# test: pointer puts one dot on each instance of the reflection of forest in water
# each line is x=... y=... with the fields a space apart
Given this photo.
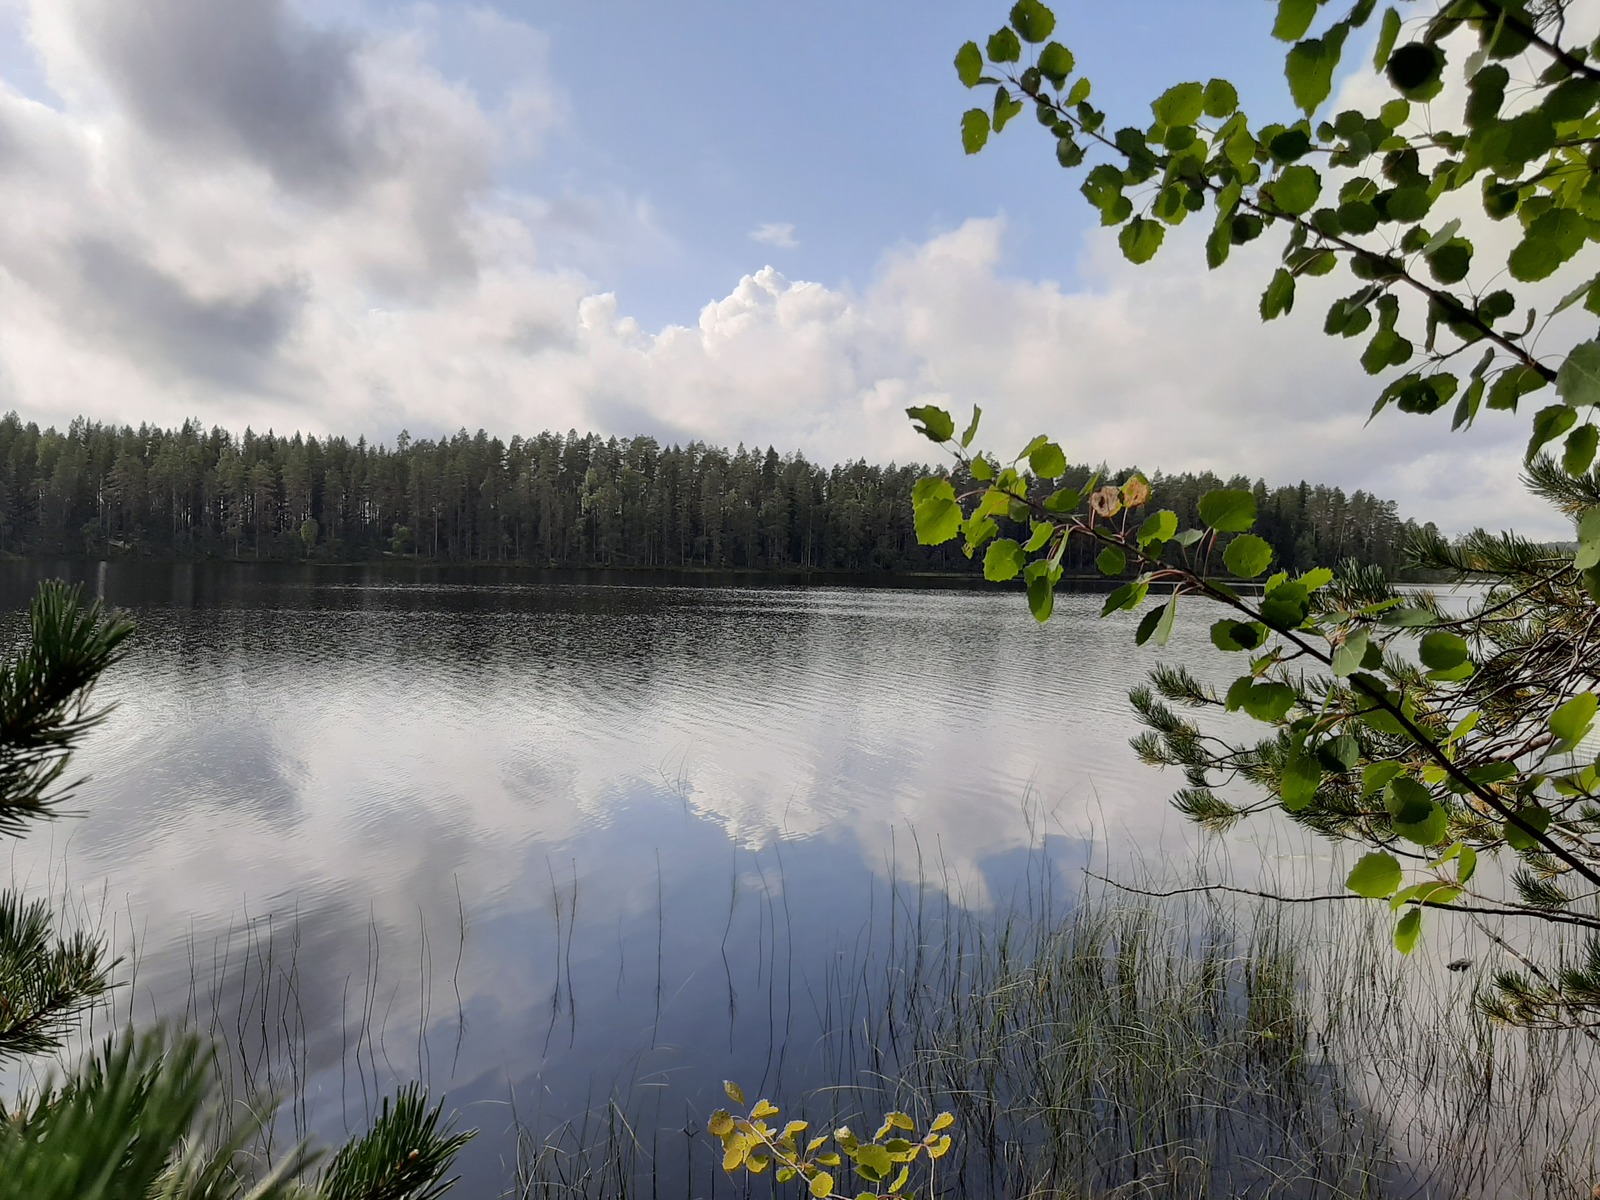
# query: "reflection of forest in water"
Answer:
x=543 y=845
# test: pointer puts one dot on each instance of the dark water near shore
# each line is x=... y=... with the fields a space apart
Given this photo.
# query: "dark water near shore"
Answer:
x=536 y=842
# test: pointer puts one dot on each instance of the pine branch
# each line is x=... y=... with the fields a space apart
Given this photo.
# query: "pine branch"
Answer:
x=404 y=1156
x=44 y=983
x=44 y=700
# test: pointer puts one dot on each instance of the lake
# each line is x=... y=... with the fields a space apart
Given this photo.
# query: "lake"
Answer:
x=542 y=843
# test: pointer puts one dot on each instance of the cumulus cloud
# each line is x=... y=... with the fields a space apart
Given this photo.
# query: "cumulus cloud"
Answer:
x=263 y=220
x=775 y=233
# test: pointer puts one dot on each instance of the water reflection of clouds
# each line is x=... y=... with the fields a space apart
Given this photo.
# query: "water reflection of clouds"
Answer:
x=630 y=793
x=284 y=748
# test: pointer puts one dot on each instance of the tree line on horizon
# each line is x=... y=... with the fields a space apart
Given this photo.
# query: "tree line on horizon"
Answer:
x=572 y=500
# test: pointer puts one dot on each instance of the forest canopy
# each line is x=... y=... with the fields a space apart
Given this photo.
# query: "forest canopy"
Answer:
x=574 y=499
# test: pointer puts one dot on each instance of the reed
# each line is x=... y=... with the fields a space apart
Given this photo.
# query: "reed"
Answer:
x=1188 y=1047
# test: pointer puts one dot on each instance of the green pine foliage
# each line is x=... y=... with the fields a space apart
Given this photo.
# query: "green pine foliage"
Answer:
x=573 y=500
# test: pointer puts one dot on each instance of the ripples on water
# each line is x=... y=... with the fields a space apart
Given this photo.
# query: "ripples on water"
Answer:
x=576 y=835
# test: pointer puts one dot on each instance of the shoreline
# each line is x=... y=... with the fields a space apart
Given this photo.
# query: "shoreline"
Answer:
x=633 y=576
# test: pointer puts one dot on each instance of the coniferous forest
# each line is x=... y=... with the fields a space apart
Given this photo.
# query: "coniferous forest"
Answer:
x=573 y=500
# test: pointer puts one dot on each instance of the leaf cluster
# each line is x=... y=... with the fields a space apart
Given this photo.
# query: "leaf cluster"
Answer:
x=1429 y=736
x=882 y=1165
x=1371 y=192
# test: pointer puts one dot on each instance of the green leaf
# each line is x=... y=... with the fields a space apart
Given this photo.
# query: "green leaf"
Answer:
x=1032 y=20
x=1129 y=596
x=1578 y=380
x=1158 y=527
x=1056 y=63
x=1309 y=69
x=1536 y=819
x=1228 y=510
x=1140 y=238
x=1005 y=107
x=1407 y=929
x=1416 y=70
x=974 y=130
x=1413 y=811
x=969 y=64
x=1588 y=556
x=1451 y=261
x=1047 y=461
x=978 y=530
x=1388 y=33
x=1004 y=46
x=1553 y=237
x=1296 y=189
x=1169 y=613
x=1441 y=651
x=1112 y=561
x=1570 y=723
x=1352 y=653
x=1003 y=560
x=1550 y=423
x=874 y=1158
x=1279 y=296
x=936 y=513
x=1300 y=779
x=1580 y=453
x=1041 y=597
x=1268 y=702
x=1407 y=205
x=936 y=424
x=1486 y=92
x=1247 y=556
x=982 y=469
x=1375 y=876
x=1042 y=532
x=1512 y=384
x=1285 y=604
x=1220 y=98
x=1181 y=104
x=1376 y=776
x=1147 y=626
x=1294 y=18
x=972 y=427
x=1229 y=635
x=1064 y=501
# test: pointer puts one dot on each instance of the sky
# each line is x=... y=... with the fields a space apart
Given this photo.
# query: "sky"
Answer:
x=738 y=222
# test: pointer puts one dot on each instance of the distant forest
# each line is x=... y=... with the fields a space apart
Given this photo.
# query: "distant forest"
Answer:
x=577 y=500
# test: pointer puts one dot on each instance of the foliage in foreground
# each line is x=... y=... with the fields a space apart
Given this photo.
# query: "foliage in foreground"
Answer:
x=1429 y=736
x=882 y=1165
x=139 y=1118
x=1198 y=1046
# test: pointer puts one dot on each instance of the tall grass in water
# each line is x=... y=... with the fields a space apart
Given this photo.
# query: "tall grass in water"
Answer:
x=1179 y=1048
x=1100 y=1048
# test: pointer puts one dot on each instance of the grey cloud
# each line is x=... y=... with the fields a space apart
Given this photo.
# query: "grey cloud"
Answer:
x=245 y=78
x=535 y=337
x=228 y=339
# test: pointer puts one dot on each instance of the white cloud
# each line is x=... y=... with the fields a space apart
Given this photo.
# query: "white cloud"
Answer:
x=344 y=261
x=775 y=233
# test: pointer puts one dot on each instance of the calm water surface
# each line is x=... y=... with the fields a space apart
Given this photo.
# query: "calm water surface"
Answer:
x=537 y=842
